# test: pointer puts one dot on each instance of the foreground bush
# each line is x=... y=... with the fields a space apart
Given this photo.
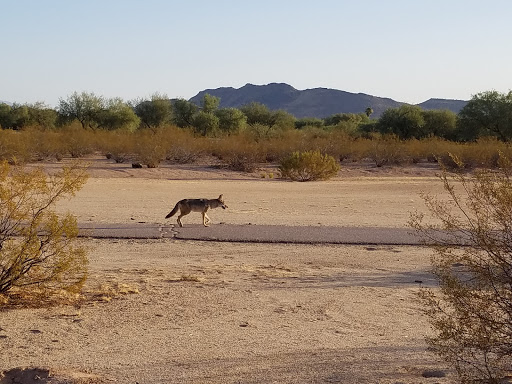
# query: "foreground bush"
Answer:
x=37 y=247
x=471 y=314
x=308 y=166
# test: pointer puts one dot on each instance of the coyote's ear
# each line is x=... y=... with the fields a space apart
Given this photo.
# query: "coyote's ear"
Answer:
x=220 y=197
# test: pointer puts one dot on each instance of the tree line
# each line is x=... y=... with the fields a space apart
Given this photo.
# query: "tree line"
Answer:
x=487 y=114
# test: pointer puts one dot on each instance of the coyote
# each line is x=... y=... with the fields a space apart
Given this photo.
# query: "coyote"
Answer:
x=186 y=206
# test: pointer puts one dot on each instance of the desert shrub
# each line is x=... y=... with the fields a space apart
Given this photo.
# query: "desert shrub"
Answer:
x=151 y=147
x=241 y=162
x=387 y=150
x=239 y=153
x=14 y=148
x=276 y=149
x=471 y=313
x=183 y=148
x=117 y=145
x=45 y=144
x=307 y=166
x=469 y=156
x=485 y=152
x=78 y=142
x=37 y=247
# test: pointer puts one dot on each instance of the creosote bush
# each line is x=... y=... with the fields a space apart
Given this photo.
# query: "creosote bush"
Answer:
x=308 y=166
x=471 y=313
x=38 y=248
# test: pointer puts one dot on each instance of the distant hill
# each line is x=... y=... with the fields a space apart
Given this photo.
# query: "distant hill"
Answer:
x=452 y=105
x=5 y=102
x=316 y=102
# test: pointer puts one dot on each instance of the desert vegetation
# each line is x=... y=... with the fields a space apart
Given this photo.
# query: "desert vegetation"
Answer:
x=38 y=252
x=471 y=313
x=155 y=130
x=310 y=165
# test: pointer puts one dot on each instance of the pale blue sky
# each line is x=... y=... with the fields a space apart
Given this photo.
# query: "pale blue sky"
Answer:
x=408 y=50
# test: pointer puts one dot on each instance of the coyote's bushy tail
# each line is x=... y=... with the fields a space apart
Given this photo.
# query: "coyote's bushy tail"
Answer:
x=174 y=210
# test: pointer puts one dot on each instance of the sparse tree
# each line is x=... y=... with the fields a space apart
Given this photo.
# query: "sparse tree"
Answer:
x=37 y=247
x=231 y=120
x=116 y=114
x=206 y=123
x=209 y=103
x=441 y=123
x=156 y=112
x=13 y=117
x=368 y=111
x=258 y=113
x=21 y=116
x=83 y=107
x=260 y=116
x=471 y=313
x=406 y=122
x=487 y=114
x=42 y=116
x=183 y=113
x=5 y=116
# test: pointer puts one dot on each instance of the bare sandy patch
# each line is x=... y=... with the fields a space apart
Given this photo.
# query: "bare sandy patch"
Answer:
x=207 y=312
x=250 y=313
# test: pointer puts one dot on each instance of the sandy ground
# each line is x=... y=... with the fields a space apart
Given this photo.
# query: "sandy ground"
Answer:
x=204 y=312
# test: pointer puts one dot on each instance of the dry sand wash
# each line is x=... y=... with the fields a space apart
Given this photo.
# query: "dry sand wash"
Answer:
x=205 y=312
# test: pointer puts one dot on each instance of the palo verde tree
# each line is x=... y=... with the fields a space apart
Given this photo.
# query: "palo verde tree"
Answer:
x=84 y=107
x=471 y=313
x=37 y=246
x=264 y=123
x=205 y=122
x=116 y=114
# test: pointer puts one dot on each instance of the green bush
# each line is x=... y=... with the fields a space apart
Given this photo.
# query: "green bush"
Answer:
x=308 y=166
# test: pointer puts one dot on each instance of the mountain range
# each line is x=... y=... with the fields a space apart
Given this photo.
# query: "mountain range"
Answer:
x=315 y=102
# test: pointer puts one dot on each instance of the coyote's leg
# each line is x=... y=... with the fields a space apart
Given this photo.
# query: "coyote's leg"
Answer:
x=183 y=211
x=206 y=219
